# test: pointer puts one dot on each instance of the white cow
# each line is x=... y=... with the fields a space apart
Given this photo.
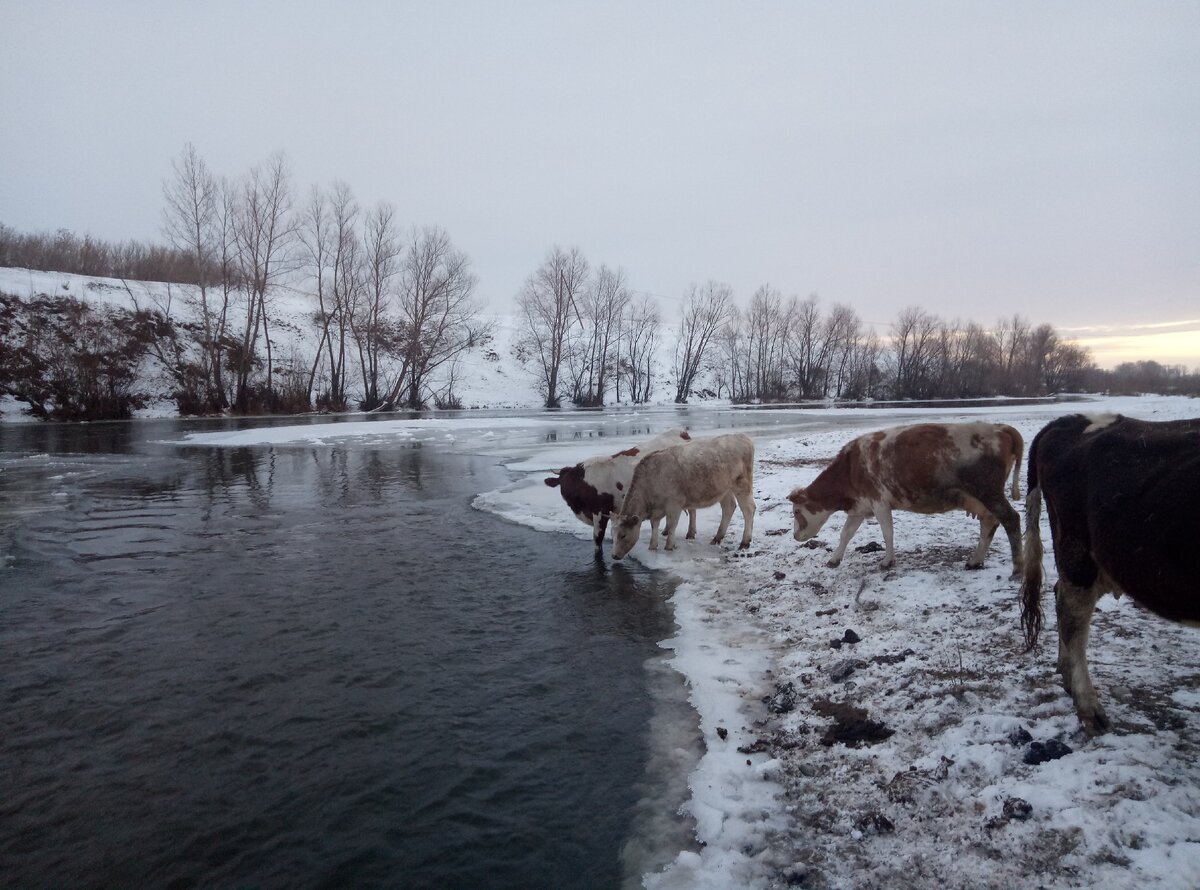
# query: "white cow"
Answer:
x=708 y=471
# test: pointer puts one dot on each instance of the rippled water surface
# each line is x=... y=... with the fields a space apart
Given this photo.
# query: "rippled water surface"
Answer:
x=308 y=667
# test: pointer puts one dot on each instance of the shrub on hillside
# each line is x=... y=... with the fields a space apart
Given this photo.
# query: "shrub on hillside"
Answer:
x=70 y=361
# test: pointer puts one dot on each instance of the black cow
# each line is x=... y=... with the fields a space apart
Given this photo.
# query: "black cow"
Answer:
x=1123 y=498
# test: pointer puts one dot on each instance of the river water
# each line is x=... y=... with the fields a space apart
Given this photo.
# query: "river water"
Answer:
x=316 y=667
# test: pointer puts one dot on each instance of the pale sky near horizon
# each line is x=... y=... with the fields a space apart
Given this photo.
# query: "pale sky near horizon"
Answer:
x=977 y=159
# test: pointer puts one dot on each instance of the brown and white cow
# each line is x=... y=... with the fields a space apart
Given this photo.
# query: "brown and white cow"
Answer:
x=708 y=471
x=1122 y=497
x=595 y=489
x=924 y=468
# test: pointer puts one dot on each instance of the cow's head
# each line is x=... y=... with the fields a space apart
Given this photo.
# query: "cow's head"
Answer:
x=808 y=516
x=626 y=532
x=579 y=494
x=570 y=484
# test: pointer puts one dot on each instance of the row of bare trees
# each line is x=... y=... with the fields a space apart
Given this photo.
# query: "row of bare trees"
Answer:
x=64 y=251
x=779 y=349
x=588 y=332
x=933 y=358
x=392 y=307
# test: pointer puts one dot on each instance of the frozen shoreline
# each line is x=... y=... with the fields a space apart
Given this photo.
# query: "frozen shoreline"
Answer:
x=938 y=664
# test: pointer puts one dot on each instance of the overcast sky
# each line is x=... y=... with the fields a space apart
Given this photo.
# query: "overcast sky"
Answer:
x=975 y=159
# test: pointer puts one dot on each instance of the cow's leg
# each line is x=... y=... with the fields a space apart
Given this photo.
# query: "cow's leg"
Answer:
x=1003 y=511
x=691 y=532
x=1074 y=606
x=883 y=515
x=727 y=504
x=987 y=530
x=599 y=527
x=745 y=501
x=853 y=521
x=672 y=521
x=653 y=545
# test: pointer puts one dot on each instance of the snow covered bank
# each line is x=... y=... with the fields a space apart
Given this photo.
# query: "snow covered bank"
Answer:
x=947 y=799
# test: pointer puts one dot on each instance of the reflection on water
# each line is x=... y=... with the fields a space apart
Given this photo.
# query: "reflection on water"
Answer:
x=312 y=666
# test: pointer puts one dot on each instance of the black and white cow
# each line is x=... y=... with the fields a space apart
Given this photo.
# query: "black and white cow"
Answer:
x=595 y=489
x=1123 y=498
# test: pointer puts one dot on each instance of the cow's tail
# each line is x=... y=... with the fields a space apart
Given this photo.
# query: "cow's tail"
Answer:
x=1016 y=471
x=1031 y=588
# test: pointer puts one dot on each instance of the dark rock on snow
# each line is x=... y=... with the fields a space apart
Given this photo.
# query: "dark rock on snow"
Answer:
x=1019 y=736
x=1042 y=752
x=850 y=725
x=1016 y=808
x=784 y=699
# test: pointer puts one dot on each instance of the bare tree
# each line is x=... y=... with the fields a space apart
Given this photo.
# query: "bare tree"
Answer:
x=843 y=331
x=766 y=329
x=191 y=223
x=262 y=232
x=730 y=366
x=914 y=352
x=1012 y=337
x=865 y=375
x=373 y=332
x=638 y=345
x=819 y=350
x=706 y=310
x=1068 y=364
x=347 y=290
x=549 y=302
x=437 y=313
x=315 y=234
x=602 y=306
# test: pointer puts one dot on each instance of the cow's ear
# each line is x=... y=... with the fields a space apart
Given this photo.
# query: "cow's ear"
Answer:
x=794 y=497
x=552 y=481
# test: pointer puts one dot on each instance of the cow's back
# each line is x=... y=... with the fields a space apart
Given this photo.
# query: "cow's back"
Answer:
x=1122 y=496
x=699 y=474
x=924 y=467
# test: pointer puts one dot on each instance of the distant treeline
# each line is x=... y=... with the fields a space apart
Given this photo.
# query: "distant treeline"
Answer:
x=390 y=312
x=1130 y=378
x=64 y=251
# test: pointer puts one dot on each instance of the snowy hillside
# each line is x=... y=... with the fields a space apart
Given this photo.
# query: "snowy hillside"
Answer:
x=490 y=375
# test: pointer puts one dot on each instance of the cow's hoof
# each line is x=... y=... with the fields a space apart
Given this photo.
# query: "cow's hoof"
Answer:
x=715 y=540
x=834 y=563
x=1095 y=724
x=974 y=566
x=690 y=536
x=745 y=545
x=669 y=547
x=887 y=564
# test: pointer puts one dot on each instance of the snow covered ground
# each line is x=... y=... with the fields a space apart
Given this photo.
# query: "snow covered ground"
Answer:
x=947 y=799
